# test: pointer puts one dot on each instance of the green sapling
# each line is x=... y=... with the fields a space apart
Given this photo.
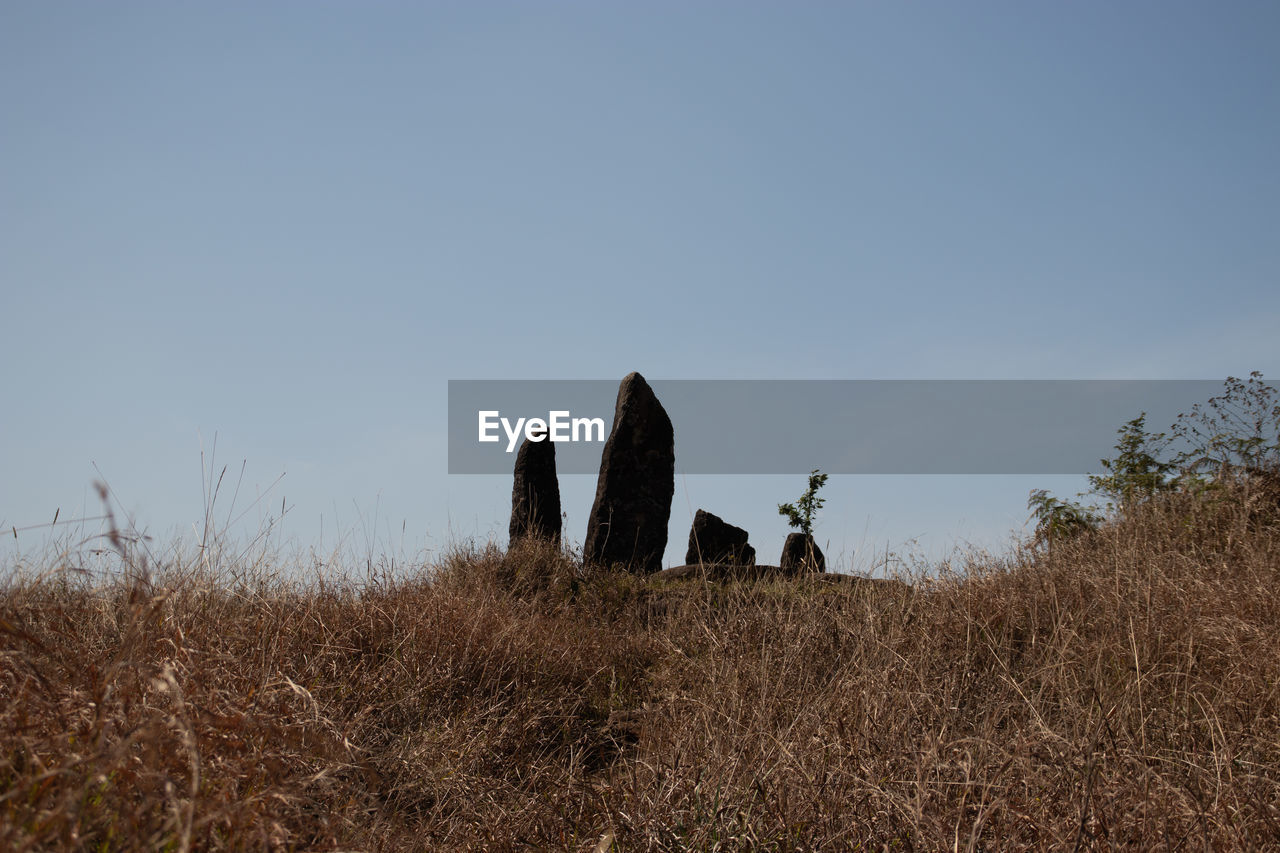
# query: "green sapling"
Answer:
x=801 y=513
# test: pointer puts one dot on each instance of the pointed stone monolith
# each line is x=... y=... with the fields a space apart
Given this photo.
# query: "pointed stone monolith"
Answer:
x=535 y=495
x=628 y=521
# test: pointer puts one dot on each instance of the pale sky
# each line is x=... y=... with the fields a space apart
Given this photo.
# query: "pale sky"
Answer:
x=289 y=224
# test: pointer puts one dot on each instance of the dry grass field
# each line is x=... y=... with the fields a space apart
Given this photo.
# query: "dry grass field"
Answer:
x=1122 y=691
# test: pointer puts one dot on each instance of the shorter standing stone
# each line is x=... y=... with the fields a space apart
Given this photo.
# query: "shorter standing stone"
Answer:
x=801 y=554
x=535 y=496
x=713 y=540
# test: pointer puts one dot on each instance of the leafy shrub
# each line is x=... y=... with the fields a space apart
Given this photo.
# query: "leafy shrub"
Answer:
x=800 y=514
x=1233 y=436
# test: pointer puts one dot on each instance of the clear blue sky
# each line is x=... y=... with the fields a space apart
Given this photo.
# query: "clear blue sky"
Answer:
x=290 y=223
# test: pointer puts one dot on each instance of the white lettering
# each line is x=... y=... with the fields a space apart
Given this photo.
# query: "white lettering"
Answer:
x=559 y=425
x=587 y=424
x=512 y=434
x=486 y=425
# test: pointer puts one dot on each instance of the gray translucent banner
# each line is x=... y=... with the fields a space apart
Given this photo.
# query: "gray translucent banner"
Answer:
x=855 y=426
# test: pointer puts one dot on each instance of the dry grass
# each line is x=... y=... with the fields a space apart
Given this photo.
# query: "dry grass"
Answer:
x=1121 y=692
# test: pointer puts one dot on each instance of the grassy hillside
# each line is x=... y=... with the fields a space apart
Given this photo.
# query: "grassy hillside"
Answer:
x=1122 y=691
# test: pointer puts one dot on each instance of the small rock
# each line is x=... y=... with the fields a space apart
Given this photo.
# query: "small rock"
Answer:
x=713 y=540
x=800 y=553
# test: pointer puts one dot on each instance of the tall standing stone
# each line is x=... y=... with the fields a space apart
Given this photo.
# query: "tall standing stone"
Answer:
x=628 y=522
x=535 y=495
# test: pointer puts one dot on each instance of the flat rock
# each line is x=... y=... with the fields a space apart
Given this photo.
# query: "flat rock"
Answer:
x=728 y=572
x=716 y=572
